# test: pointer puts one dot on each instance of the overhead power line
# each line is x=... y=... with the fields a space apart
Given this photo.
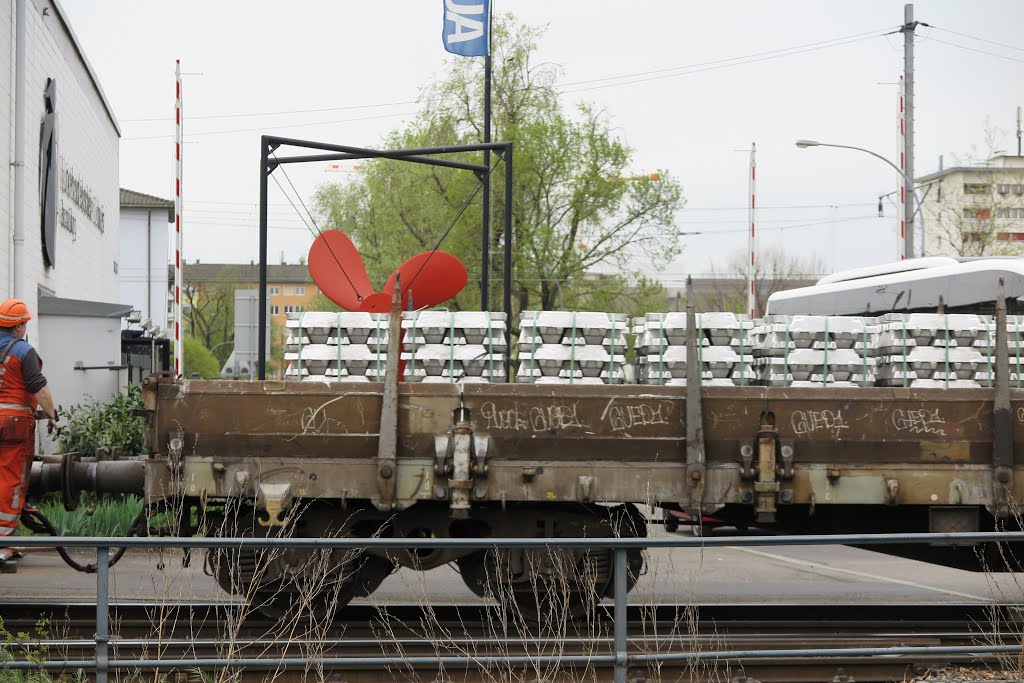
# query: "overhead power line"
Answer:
x=768 y=54
x=982 y=40
x=739 y=61
x=603 y=82
x=974 y=49
x=270 y=128
x=762 y=208
x=781 y=227
x=274 y=113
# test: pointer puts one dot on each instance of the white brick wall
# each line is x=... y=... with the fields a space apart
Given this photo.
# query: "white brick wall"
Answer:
x=87 y=140
x=6 y=143
x=87 y=143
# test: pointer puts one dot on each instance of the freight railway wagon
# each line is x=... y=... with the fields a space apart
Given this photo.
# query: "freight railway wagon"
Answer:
x=422 y=459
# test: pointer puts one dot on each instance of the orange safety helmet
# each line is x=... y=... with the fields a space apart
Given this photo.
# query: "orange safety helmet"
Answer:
x=13 y=312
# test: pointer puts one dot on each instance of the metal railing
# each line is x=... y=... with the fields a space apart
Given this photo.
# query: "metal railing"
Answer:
x=621 y=659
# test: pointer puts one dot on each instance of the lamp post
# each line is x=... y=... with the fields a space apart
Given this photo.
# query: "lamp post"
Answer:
x=220 y=344
x=908 y=251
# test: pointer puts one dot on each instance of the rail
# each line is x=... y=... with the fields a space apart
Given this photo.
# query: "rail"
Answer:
x=620 y=659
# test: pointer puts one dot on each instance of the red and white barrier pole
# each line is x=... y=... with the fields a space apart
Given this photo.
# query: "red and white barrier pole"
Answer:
x=179 y=368
x=751 y=240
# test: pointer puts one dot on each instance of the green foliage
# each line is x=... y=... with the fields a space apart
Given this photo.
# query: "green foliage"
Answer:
x=198 y=360
x=95 y=517
x=578 y=204
x=211 y=311
x=93 y=425
x=20 y=646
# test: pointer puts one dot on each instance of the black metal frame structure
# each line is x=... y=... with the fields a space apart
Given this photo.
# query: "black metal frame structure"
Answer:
x=426 y=155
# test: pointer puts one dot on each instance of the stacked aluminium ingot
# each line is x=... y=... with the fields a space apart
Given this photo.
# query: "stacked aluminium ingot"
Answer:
x=724 y=349
x=565 y=347
x=336 y=347
x=985 y=376
x=454 y=347
x=932 y=350
x=806 y=350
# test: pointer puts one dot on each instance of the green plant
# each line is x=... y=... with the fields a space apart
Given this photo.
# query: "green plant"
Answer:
x=95 y=424
x=22 y=646
x=95 y=517
x=198 y=359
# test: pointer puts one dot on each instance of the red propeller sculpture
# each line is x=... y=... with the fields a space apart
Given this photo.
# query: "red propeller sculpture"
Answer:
x=428 y=279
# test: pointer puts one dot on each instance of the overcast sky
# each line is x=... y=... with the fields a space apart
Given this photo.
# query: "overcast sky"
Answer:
x=348 y=72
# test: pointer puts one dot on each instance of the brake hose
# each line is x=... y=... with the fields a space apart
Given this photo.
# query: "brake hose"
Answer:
x=37 y=522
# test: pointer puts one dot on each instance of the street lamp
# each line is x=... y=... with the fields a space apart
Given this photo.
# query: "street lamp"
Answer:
x=220 y=344
x=908 y=246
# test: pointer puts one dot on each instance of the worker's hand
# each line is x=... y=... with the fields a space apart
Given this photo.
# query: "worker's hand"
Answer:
x=54 y=427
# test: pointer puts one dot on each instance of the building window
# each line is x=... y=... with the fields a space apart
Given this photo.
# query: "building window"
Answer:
x=299 y=291
x=1011 y=237
x=975 y=212
x=275 y=310
x=274 y=291
x=977 y=188
x=1008 y=188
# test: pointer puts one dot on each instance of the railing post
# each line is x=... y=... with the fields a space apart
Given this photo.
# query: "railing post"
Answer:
x=620 y=615
x=102 y=611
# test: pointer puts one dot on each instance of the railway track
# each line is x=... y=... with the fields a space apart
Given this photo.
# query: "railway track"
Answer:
x=197 y=631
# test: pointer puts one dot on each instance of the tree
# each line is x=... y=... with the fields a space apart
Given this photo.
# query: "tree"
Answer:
x=577 y=203
x=774 y=271
x=210 y=314
x=978 y=213
x=198 y=359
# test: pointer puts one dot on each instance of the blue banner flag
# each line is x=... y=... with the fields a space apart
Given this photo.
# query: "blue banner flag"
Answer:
x=466 y=27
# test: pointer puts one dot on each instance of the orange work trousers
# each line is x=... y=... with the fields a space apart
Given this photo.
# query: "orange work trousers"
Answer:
x=17 y=445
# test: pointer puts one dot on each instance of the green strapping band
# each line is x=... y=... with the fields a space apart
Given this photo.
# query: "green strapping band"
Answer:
x=533 y=353
x=490 y=348
x=864 y=353
x=612 y=356
x=904 y=317
x=988 y=350
x=572 y=351
x=662 y=343
x=785 y=354
x=412 y=358
x=1016 y=326
x=947 y=349
x=743 y=378
x=378 y=345
x=298 y=368
x=700 y=350
x=451 y=348
x=825 y=375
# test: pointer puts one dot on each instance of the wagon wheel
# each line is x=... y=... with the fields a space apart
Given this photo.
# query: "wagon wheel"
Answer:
x=293 y=583
x=549 y=584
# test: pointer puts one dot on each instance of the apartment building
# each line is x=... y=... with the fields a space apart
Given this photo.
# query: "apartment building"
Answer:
x=975 y=210
x=290 y=288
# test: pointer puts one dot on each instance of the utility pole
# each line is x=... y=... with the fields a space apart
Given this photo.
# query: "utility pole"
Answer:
x=752 y=239
x=908 y=85
x=1018 y=131
x=901 y=191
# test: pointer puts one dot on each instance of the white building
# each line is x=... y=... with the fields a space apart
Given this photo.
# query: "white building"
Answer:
x=143 y=257
x=975 y=210
x=59 y=238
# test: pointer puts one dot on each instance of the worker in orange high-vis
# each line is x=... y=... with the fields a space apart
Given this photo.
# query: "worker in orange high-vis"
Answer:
x=23 y=388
